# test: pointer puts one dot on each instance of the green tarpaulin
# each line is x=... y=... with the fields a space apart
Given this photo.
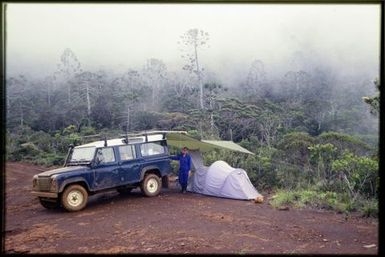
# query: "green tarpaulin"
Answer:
x=228 y=145
x=180 y=140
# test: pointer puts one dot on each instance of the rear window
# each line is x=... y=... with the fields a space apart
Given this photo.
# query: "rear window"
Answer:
x=152 y=148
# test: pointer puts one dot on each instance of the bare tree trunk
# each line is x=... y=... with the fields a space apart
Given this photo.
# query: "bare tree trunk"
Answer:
x=69 y=93
x=128 y=119
x=212 y=122
x=155 y=96
x=21 y=115
x=199 y=77
x=348 y=184
x=88 y=104
x=88 y=100
x=49 y=96
x=211 y=116
x=8 y=105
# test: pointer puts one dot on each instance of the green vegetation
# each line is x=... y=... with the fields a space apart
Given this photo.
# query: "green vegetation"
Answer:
x=315 y=140
x=329 y=200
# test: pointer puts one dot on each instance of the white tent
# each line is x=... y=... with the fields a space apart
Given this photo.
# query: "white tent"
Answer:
x=220 y=179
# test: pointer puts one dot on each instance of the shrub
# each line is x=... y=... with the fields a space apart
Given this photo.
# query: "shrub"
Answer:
x=284 y=198
x=345 y=142
x=50 y=159
x=308 y=197
x=69 y=130
x=86 y=131
x=359 y=174
x=42 y=140
x=370 y=208
x=321 y=156
x=26 y=151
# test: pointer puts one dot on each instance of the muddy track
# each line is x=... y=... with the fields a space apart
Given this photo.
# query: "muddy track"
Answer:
x=174 y=223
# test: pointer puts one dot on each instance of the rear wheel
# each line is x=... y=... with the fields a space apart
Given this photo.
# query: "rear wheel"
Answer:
x=151 y=185
x=49 y=204
x=74 y=198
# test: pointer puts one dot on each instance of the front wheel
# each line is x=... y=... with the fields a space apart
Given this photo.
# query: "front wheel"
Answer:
x=74 y=198
x=151 y=185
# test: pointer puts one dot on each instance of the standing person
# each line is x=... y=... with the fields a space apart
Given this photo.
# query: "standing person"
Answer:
x=184 y=167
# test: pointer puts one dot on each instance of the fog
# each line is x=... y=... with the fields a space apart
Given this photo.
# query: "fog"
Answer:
x=116 y=37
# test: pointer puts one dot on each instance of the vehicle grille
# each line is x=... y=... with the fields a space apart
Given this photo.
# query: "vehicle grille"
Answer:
x=43 y=183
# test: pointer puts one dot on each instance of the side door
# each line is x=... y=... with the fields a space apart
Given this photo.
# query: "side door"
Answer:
x=106 y=171
x=130 y=164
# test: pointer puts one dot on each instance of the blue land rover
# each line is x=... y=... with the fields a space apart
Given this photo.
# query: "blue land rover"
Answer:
x=121 y=164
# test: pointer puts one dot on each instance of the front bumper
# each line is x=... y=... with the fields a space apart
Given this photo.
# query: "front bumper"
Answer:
x=45 y=194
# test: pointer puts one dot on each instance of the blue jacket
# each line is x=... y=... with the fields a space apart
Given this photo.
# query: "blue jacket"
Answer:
x=184 y=162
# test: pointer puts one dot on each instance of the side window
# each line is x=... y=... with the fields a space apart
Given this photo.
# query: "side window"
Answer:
x=127 y=152
x=151 y=149
x=105 y=155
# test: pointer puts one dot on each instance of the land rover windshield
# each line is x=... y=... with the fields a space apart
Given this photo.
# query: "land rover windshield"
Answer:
x=82 y=155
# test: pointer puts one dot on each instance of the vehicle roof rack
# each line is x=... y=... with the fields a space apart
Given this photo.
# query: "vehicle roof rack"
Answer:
x=151 y=132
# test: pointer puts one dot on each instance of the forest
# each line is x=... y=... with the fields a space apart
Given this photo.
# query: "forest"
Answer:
x=314 y=132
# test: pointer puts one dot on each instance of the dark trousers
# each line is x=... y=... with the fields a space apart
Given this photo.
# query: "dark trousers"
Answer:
x=183 y=179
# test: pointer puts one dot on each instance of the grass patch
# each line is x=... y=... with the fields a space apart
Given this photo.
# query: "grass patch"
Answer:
x=282 y=198
x=341 y=203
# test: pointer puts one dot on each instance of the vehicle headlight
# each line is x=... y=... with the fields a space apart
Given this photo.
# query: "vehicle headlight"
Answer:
x=53 y=184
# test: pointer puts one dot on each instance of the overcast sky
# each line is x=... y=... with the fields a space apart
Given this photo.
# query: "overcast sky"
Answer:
x=121 y=36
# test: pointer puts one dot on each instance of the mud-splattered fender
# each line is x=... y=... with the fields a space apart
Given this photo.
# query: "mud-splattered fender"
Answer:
x=147 y=168
x=73 y=181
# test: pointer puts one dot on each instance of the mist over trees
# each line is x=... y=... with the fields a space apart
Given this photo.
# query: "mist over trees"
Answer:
x=312 y=102
x=306 y=127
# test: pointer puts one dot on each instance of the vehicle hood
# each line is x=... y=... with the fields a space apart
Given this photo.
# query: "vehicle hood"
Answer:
x=63 y=170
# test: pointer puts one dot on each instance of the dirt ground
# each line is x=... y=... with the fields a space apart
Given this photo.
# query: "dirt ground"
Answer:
x=174 y=223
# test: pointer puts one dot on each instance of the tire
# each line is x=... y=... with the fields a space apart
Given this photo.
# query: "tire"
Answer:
x=49 y=204
x=74 y=198
x=151 y=185
x=124 y=190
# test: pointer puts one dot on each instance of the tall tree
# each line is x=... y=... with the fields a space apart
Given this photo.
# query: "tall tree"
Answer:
x=129 y=90
x=68 y=67
x=87 y=86
x=256 y=80
x=178 y=94
x=155 y=75
x=268 y=124
x=17 y=98
x=213 y=91
x=374 y=101
x=193 y=40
